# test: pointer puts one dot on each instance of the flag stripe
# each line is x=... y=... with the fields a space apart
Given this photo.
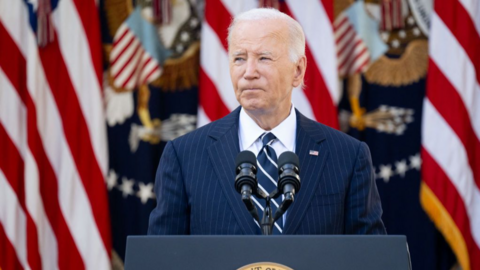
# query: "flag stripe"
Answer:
x=344 y=42
x=473 y=9
x=81 y=50
x=12 y=245
x=219 y=24
x=360 y=61
x=155 y=72
x=236 y=7
x=11 y=164
x=8 y=256
x=133 y=76
x=321 y=97
x=307 y=12
x=68 y=254
x=127 y=65
x=350 y=52
x=120 y=35
x=360 y=55
x=452 y=61
x=47 y=242
x=328 y=7
x=450 y=106
x=66 y=141
x=452 y=157
x=12 y=110
x=340 y=24
x=123 y=59
x=122 y=51
x=12 y=140
x=79 y=142
x=91 y=32
x=442 y=187
x=211 y=102
x=215 y=64
x=453 y=14
x=147 y=67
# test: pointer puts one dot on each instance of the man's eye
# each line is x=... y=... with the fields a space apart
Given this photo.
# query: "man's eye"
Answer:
x=264 y=58
x=238 y=59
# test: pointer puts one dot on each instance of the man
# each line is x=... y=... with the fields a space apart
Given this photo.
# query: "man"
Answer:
x=195 y=178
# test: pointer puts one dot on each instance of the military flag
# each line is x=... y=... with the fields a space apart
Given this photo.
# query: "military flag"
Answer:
x=358 y=42
x=143 y=112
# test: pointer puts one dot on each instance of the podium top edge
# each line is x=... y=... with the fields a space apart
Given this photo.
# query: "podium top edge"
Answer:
x=398 y=236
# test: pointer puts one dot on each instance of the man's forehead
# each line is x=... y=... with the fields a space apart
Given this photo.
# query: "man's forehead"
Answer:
x=259 y=28
x=257 y=35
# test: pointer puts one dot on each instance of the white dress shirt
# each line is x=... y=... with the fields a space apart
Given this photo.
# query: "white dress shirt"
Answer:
x=249 y=133
x=286 y=132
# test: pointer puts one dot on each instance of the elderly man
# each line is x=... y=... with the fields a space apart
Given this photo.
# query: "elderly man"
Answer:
x=195 y=178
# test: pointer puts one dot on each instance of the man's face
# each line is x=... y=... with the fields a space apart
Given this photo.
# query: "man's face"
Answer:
x=260 y=68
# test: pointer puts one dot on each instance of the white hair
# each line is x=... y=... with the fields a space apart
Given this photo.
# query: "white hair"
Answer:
x=296 y=48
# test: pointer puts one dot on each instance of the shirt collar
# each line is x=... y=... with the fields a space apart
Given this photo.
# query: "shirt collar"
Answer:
x=285 y=131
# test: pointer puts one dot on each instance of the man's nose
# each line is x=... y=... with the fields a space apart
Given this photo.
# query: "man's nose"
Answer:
x=251 y=70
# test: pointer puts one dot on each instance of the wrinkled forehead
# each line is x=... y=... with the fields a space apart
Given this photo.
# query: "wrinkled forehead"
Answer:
x=259 y=32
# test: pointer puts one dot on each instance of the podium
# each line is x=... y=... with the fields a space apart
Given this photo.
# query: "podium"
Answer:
x=258 y=252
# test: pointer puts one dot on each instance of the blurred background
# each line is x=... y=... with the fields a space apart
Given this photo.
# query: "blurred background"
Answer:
x=91 y=91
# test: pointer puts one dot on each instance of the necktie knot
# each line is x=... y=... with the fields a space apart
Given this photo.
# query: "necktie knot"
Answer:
x=267 y=138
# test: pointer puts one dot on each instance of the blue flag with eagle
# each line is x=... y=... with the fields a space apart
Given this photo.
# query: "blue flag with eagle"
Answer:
x=150 y=84
x=382 y=106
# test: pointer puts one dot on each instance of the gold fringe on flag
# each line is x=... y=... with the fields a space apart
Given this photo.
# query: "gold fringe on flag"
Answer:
x=340 y=5
x=181 y=73
x=409 y=68
x=445 y=224
x=117 y=11
x=117 y=263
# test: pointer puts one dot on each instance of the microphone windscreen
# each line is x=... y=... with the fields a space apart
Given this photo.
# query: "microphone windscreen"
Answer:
x=288 y=157
x=246 y=157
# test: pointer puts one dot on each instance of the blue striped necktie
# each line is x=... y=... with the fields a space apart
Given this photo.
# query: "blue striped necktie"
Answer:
x=267 y=176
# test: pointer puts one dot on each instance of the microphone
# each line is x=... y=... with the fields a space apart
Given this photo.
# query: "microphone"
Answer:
x=246 y=182
x=288 y=180
x=288 y=171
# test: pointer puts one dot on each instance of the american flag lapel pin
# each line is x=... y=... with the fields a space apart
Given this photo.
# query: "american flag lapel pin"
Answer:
x=313 y=153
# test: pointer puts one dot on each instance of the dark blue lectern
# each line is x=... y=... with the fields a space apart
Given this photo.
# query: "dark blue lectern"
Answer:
x=337 y=252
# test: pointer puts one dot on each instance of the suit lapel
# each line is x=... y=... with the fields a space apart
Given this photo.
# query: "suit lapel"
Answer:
x=222 y=153
x=309 y=138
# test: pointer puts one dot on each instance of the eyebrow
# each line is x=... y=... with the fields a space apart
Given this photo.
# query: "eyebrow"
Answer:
x=238 y=53
x=244 y=53
x=265 y=53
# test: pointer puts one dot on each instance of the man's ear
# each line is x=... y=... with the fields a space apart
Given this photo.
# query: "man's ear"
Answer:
x=300 y=68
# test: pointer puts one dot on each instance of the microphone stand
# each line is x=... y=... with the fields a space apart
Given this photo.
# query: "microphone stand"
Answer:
x=268 y=218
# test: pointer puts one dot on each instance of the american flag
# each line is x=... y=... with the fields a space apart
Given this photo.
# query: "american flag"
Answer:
x=136 y=53
x=357 y=39
x=352 y=52
x=321 y=95
x=53 y=149
x=451 y=128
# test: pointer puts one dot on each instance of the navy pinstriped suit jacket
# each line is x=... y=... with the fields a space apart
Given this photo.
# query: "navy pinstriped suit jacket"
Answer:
x=196 y=195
